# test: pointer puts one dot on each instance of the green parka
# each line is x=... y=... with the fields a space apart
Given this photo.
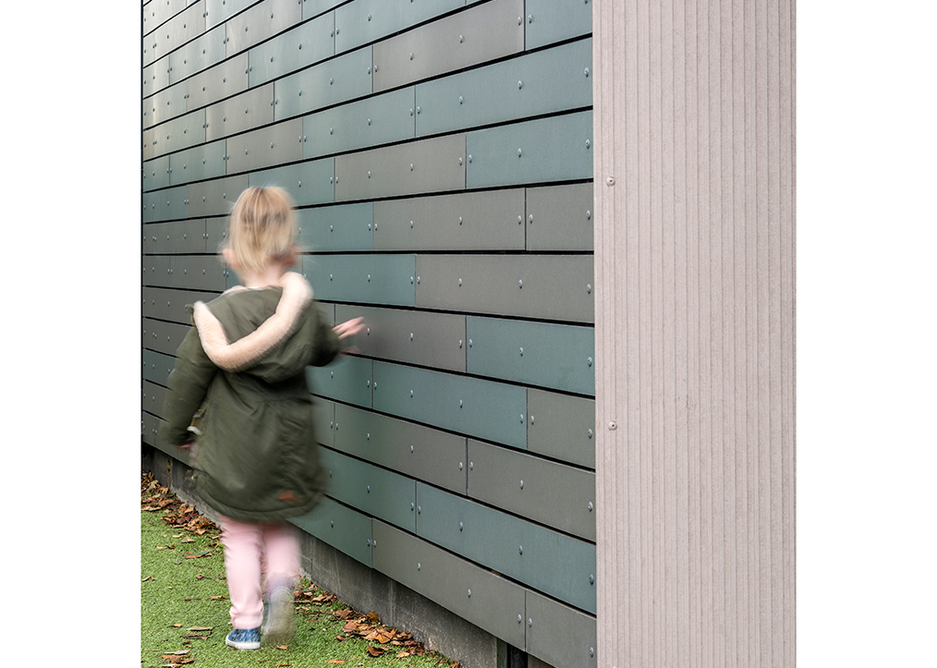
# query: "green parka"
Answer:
x=242 y=367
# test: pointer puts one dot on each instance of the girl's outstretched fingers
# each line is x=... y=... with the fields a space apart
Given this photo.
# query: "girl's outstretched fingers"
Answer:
x=349 y=328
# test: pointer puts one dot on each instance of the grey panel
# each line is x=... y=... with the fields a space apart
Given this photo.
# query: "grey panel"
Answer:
x=341 y=227
x=475 y=407
x=156 y=366
x=196 y=56
x=462 y=221
x=365 y=21
x=560 y=218
x=551 y=21
x=324 y=421
x=221 y=81
x=306 y=182
x=551 y=287
x=338 y=80
x=363 y=279
x=558 y=634
x=534 y=353
x=221 y=10
x=373 y=490
x=484 y=33
x=198 y=272
x=426 y=166
x=217 y=197
x=485 y=599
x=561 y=427
x=156 y=173
x=261 y=22
x=420 y=452
x=313 y=8
x=165 y=104
x=162 y=205
x=158 y=12
x=181 y=28
x=341 y=527
x=553 y=494
x=237 y=114
x=417 y=337
x=550 y=149
x=168 y=304
x=163 y=337
x=215 y=233
x=541 y=558
x=371 y=122
x=156 y=270
x=544 y=82
x=174 y=135
x=347 y=380
x=194 y=164
x=266 y=147
x=153 y=398
x=155 y=77
x=300 y=47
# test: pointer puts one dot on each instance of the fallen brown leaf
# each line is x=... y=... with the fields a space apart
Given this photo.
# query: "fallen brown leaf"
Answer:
x=375 y=651
x=336 y=660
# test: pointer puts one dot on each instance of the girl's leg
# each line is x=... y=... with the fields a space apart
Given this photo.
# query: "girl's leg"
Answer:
x=281 y=544
x=243 y=545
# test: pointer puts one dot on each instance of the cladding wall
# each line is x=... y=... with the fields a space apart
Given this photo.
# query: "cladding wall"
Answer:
x=440 y=154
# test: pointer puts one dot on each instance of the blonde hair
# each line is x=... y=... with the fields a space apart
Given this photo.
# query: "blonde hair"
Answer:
x=262 y=228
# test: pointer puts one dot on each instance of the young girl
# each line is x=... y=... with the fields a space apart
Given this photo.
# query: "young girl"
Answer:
x=242 y=368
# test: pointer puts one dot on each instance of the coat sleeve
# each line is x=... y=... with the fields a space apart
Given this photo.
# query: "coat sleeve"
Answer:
x=326 y=344
x=188 y=386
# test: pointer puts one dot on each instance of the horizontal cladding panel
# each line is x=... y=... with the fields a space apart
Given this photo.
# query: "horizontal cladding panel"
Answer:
x=545 y=82
x=483 y=33
x=559 y=496
x=343 y=528
x=370 y=489
x=196 y=164
x=559 y=218
x=307 y=182
x=157 y=12
x=425 y=166
x=335 y=81
x=197 y=272
x=553 y=563
x=489 y=220
x=169 y=304
x=558 y=148
x=560 y=635
x=485 y=599
x=163 y=205
x=163 y=337
x=533 y=353
x=411 y=449
x=151 y=426
x=562 y=427
x=550 y=287
x=156 y=270
x=415 y=337
x=266 y=147
x=175 y=135
x=156 y=367
x=220 y=11
x=347 y=380
x=156 y=173
x=364 y=21
x=324 y=421
x=153 y=397
x=181 y=28
x=155 y=77
x=214 y=198
x=475 y=407
x=239 y=113
x=260 y=22
x=366 y=279
x=167 y=103
x=313 y=8
x=332 y=228
x=197 y=56
x=305 y=45
x=550 y=21
x=221 y=81
x=186 y=236
x=378 y=120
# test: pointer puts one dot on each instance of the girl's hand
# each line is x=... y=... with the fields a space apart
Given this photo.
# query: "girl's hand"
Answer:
x=349 y=328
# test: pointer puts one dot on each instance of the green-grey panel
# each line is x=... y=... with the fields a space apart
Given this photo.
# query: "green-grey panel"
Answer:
x=550 y=21
x=324 y=421
x=239 y=113
x=484 y=33
x=197 y=272
x=561 y=426
x=485 y=599
x=155 y=77
x=197 y=56
x=313 y=8
x=305 y=45
x=553 y=563
x=362 y=279
x=266 y=147
x=370 y=122
x=430 y=165
x=558 y=634
x=556 y=495
x=347 y=380
x=150 y=428
x=221 y=81
x=558 y=148
x=157 y=13
x=544 y=82
x=153 y=396
x=181 y=28
x=156 y=367
x=175 y=135
x=534 y=353
x=165 y=104
x=156 y=173
x=169 y=304
x=213 y=198
x=220 y=11
x=162 y=205
x=307 y=182
x=420 y=452
x=332 y=228
x=156 y=270
x=163 y=337
x=365 y=21
x=550 y=287
x=490 y=220
x=198 y=163
x=370 y=489
x=216 y=232
x=261 y=22
x=472 y=406
x=424 y=338
x=338 y=80
x=559 y=218
x=343 y=528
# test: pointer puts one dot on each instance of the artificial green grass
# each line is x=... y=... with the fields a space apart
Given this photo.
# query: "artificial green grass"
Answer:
x=184 y=606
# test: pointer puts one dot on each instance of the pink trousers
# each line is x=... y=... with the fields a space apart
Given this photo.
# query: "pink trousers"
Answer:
x=247 y=547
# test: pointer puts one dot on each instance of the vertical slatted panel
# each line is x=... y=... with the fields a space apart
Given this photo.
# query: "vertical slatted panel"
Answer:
x=694 y=107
